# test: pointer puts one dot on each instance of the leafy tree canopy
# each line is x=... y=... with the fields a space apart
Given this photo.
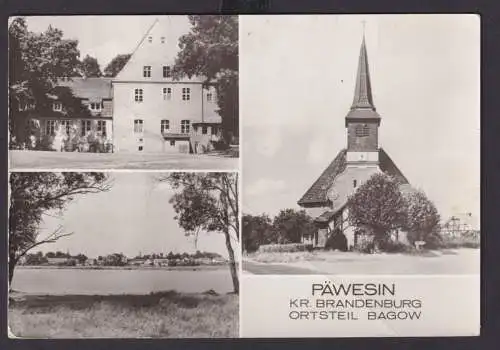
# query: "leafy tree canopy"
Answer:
x=208 y=201
x=90 y=67
x=116 y=65
x=378 y=206
x=34 y=194
x=210 y=50
x=36 y=62
x=256 y=231
x=290 y=224
x=423 y=219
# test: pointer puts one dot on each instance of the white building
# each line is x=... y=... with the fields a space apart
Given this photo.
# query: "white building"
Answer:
x=152 y=112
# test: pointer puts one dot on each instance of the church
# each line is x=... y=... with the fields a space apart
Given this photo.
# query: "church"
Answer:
x=326 y=200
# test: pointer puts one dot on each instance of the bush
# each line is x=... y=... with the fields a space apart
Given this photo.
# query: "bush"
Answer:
x=45 y=143
x=390 y=246
x=285 y=248
x=465 y=240
x=365 y=244
x=337 y=241
x=220 y=145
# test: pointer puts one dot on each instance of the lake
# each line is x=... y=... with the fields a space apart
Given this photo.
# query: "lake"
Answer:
x=140 y=281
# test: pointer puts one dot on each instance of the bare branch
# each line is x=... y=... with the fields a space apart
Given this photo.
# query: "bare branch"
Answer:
x=52 y=238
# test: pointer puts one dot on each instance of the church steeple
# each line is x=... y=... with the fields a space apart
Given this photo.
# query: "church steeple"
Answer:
x=362 y=120
x=363 y=92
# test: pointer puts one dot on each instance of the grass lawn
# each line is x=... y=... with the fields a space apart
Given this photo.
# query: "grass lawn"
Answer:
x=445 y=261
x=157 y=315
x=157 y=161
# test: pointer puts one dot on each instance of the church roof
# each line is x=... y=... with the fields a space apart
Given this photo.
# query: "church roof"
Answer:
x=362 y=104
x=316 y=195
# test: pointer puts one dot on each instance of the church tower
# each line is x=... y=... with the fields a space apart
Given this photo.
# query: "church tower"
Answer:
x=362 y=121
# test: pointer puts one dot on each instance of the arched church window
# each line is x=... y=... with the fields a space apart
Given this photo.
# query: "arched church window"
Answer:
x=362 y=130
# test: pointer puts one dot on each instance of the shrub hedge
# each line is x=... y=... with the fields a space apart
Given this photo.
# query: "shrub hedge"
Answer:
x=285 y=248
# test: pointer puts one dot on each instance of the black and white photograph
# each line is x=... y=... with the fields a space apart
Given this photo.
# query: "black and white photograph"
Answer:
x=124 y=255
x=361 y=152
x=361 y=175
x=123 y=92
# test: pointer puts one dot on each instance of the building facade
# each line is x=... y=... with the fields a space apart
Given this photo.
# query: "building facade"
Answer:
x=84 y=124
x=142 y=109
x=326 y=199
x=152 y=111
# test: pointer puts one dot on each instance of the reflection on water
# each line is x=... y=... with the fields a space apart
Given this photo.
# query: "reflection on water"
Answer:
x=74 y=281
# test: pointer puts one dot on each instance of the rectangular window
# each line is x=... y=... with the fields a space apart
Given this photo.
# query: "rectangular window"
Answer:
x=165 y=125
x=186 y=94
x=209 y=96
x=185 y=126
x=57 y=106
x=101 y=127
x=50 y=127
x=204 y=129
x=150 y=39
x=167 y=93
x=167 y=71
x=66 y=125
x=146 y=71
x=172 y=142
x=138 y=95
x=95 y=106
x=214 y=130
x=162 y=40
x=138 y=126
x=86 y=127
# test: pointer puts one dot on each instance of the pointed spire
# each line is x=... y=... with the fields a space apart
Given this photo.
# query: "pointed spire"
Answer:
x=363 y=91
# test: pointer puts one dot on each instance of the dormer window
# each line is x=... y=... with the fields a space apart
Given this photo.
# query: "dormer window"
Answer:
x=146 y=71
x=362 y=130
x=95 y=106
x=150 y=39
x=57 y=106
x=162 y=39
x=167 y=71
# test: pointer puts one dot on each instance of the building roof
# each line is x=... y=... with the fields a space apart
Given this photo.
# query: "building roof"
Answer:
x=362 y=104
x=316 y=195
x=92 y=89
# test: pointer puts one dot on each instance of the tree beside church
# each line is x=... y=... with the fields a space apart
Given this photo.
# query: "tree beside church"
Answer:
x=328 y=197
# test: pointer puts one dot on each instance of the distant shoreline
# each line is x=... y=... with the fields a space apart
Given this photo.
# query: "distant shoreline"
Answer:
x=165 y=268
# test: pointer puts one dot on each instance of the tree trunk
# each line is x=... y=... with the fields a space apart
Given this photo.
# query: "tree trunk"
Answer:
x=12 y=266
x=232 y=263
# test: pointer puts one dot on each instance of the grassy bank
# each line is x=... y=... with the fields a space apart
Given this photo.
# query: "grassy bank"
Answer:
x=164 y=315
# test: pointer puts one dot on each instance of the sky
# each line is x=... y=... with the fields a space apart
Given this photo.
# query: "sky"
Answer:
x=134 y=217
x=102 y=37
x=297 y=77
